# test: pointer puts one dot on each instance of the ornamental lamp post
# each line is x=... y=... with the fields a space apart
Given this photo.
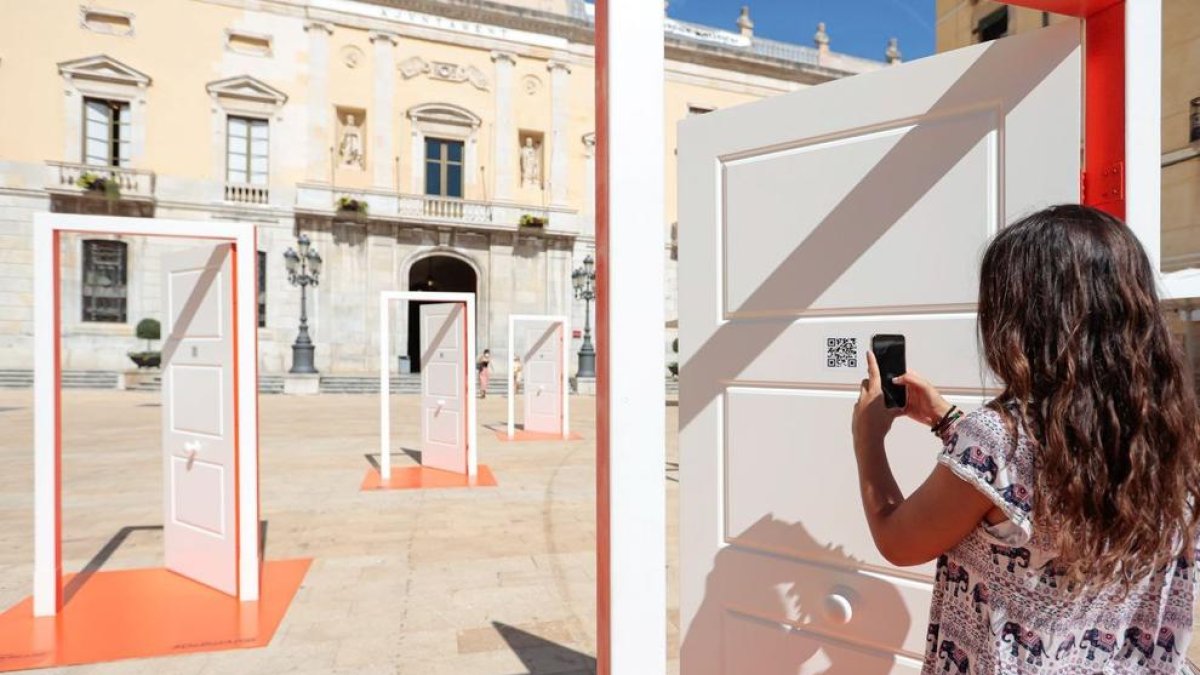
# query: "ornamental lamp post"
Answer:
x=582 y=279
x=304 y=269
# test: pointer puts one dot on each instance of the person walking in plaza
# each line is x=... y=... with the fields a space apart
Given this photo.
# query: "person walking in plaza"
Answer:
x=1063 y=513
x=484 y=367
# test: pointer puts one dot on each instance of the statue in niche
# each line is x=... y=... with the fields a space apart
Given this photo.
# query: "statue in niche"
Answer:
x=531 y=164
x=351 y=148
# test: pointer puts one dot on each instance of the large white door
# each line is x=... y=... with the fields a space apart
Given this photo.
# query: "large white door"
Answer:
x=542 y=371
x=808 y=223
x=444 y=372
x=199 y=424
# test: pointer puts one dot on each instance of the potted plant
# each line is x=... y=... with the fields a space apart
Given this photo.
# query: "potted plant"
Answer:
x=347 y=204
x=530 y=220
x=93 y=182
x=148 y=330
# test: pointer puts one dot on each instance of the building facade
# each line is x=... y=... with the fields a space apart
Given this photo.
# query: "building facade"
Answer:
x=420 y=144
x=965 y=22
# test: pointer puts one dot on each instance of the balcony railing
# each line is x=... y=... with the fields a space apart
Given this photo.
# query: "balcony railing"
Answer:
x=130 y=183
x=434 y=209
x=445 y=208
x=243 y=193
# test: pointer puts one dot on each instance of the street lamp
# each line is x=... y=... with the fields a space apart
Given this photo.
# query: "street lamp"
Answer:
x=304 y=269
x=582 y=279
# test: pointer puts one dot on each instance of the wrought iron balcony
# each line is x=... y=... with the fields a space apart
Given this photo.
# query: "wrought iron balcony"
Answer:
x=114 y=181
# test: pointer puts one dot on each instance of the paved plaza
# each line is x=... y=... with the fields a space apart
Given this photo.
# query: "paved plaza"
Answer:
x=459 y=581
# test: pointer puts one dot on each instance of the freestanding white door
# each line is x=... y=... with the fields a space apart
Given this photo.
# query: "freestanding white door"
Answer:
x=444 y=373
x=199 y=424
x=808 y=223
x=542 y=371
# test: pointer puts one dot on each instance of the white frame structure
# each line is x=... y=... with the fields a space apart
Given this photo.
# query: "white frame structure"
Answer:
x=385 y=390
x=47 y=377
x=565 y=323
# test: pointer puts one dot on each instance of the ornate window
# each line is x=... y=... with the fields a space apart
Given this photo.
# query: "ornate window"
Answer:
x=443 y=167
x=106 y=132
x=246 y=150
x=262 y=289
x=104 y=274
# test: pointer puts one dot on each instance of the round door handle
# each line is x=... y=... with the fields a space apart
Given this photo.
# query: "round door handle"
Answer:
x=838 y=609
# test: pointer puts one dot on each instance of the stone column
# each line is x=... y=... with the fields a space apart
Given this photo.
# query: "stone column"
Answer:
x=383 y=95
x=558 y=130
x=505 y=133
x=319 y=136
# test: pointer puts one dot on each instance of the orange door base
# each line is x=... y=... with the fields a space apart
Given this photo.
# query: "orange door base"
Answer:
x=130 y=614
x=419 y=477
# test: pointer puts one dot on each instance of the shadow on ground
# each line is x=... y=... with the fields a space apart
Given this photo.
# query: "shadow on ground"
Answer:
x=541 y=656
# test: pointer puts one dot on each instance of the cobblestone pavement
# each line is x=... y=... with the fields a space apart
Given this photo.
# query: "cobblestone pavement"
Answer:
x=490 y=581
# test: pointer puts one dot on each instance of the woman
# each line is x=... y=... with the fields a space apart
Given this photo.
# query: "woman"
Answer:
x=484 y=367
x=1061 y=513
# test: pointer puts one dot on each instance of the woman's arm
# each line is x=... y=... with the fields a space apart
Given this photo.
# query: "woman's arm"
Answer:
x=930 y=521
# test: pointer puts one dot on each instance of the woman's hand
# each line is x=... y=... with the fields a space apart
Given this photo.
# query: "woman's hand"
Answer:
x=872 y=419
x=925 y=404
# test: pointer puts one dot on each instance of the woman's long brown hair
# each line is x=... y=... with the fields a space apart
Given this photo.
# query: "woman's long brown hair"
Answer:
x=1071 y=324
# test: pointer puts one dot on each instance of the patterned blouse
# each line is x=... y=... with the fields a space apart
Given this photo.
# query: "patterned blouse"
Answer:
x=999 y=605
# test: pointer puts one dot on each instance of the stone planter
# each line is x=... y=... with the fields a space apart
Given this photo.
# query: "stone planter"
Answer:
x=142 y=379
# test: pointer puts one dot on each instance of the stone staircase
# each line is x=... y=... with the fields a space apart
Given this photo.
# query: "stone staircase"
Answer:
x=267 y=384
x=71 y=379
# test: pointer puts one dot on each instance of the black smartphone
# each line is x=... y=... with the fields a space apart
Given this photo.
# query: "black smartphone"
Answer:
x=889 y=354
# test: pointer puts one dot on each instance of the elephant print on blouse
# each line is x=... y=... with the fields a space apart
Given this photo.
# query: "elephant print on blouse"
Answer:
x=951 y=654
x=1024 y=639
x=1094 y=640
x=1019 y=496
x=1140 y=641
x=1065 y=648
x=1166 y=641
x=979 y=596
x=1183 y=567
x=1016 y=556
x=1050 y=572
x=953 y=574
x=975 y=457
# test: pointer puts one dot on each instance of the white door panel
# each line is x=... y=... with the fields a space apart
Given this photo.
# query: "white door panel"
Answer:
x=542 y=371
x=198 y=437
x=808 y=223
x=443 y=387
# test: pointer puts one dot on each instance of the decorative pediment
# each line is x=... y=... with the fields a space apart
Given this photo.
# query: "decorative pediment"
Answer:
x=103 y=68
x=246 y=89
x=444 y=113
x=440 y=70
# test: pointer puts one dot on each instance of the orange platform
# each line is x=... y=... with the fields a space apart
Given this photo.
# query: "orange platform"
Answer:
x=420 y=477
x=522 y=435
x=129 y=614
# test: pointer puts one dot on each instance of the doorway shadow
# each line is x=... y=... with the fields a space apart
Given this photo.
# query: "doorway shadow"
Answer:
x=102 y=556
x=373 y=458
x=771 y=606
x=543 y=657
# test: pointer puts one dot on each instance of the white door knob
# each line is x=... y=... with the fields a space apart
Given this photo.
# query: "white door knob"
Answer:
x=838 y=609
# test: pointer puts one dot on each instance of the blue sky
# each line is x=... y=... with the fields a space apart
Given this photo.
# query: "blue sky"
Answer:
x=858 y=27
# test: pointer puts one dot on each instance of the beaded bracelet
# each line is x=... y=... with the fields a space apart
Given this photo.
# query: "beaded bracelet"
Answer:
x=949 y=418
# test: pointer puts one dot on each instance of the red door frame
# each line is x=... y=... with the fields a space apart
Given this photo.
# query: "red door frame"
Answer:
x=1103 y=181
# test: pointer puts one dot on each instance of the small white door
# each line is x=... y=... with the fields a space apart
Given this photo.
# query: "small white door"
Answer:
x=808 y=223
x=199 y=427
x=542 y=371
x=444 y=372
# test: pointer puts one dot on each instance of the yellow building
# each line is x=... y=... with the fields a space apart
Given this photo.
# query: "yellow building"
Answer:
x=964 y=22
x=466 y=130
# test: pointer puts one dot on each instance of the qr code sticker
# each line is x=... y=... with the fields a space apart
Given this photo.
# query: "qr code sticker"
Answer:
x=841 y=352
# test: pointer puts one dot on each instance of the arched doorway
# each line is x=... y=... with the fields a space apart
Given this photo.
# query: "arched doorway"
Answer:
x=442 y=273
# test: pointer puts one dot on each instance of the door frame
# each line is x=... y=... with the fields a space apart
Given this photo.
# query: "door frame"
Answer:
x=552 y=319
x=385 y=343
x=47 y=395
